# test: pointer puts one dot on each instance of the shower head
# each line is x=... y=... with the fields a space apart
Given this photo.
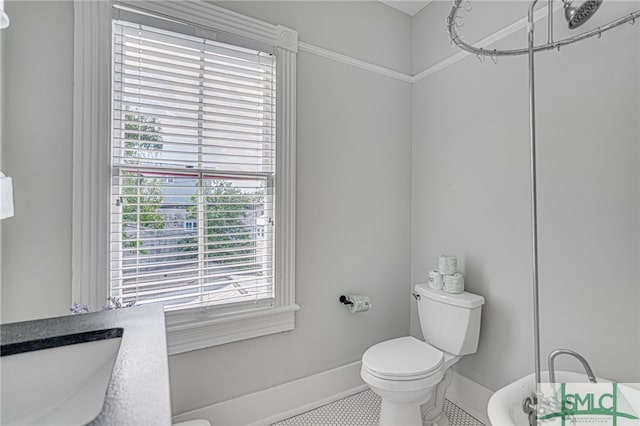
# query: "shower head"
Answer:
x=577 y=16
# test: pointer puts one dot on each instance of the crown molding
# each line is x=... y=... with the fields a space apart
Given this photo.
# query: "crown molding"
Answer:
x=338 y=57
x=439 y=66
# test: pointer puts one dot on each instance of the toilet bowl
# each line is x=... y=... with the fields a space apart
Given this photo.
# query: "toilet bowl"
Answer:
x=404 y=373
x=410 y=375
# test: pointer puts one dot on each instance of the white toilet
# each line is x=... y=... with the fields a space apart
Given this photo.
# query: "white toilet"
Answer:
x=408 y=373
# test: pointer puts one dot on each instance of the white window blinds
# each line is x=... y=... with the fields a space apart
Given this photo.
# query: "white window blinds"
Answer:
x=193 y=170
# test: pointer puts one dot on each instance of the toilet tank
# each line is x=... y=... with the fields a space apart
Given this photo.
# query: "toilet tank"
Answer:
x=450 y=322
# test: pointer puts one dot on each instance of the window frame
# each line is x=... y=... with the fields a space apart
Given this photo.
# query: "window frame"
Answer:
x=195 y=328
x=199 y=52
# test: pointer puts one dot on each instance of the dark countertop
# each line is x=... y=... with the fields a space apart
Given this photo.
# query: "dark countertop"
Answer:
x=138 y=393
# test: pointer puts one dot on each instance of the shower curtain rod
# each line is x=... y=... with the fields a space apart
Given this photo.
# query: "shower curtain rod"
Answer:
x=531 y=404
x=457 y=38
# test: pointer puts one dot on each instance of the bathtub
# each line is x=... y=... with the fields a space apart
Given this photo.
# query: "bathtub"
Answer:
x=505 y=405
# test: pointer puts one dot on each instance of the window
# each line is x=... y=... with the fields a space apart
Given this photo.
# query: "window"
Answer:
x=184 y=167
x=193 y=144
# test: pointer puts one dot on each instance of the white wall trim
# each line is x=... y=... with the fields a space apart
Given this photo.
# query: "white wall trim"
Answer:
x=283 y=401
x=215 y=17
x=439 y=66
x=469 y=395
x=91 y=120
x=310 y=406
x=199 y=333
x=338 y=57
x=286 y=172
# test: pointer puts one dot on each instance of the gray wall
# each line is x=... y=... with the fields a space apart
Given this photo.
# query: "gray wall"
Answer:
x=471 y=193
x=353 y=200
x=36 y=242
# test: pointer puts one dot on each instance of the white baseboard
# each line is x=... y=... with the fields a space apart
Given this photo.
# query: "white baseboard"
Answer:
x=283 y=401
x=296 y=397
x=469 y=395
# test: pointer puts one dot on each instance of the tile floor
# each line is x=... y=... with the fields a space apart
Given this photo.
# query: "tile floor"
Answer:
x=363 y=409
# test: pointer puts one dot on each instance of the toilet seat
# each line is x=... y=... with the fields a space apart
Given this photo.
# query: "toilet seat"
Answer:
x=402 y=359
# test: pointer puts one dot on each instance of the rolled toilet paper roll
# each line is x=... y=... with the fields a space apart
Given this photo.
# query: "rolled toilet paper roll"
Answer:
x=454 y=283
x=359 y=303
x=447 y=264
x=434 y=279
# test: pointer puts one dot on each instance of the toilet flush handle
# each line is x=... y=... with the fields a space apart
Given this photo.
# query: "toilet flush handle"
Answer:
x=415 y=295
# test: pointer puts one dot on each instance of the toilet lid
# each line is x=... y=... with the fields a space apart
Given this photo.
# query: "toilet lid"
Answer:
x=402 y=357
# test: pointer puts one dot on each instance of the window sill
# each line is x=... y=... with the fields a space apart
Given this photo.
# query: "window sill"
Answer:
x=190 y=331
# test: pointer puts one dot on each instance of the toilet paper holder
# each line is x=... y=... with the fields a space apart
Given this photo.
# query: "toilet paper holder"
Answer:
x=344 y=300
x=356 y=302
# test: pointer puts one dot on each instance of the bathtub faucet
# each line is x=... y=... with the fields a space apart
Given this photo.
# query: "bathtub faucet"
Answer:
x=532 y=404
x=585 y=364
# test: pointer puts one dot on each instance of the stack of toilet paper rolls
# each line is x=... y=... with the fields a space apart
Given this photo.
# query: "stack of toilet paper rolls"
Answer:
x=447 y=277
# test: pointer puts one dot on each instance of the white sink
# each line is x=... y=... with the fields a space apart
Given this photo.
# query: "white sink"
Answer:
x=64 y=385
x=505 y=405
